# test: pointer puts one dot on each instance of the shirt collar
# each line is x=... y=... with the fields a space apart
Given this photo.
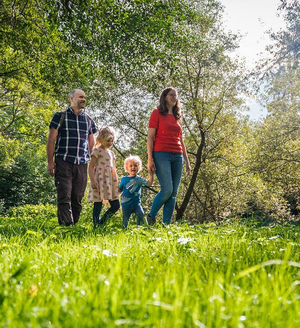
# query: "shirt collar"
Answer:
x=72 y=111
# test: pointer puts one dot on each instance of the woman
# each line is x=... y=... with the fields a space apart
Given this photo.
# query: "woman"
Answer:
x=166 y=152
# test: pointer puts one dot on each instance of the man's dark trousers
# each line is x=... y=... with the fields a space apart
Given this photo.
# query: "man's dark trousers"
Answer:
x=70 y=181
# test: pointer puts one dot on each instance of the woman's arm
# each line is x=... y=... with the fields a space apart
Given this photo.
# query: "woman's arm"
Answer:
x=185 y=157
x=150 y=179
x=150 y=143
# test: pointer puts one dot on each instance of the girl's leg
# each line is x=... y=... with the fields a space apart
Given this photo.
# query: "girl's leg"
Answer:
x=162 y=162
x=176 y=168
x=139 y=214
x=96 y=213
x=114 y=207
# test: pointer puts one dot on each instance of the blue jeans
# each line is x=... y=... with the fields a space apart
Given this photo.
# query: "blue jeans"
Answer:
x=168 y=171
x=128 y=210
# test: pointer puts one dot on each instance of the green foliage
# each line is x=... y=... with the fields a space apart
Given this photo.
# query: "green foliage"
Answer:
x=25 y=179
x=286 y=43
x=275 y=149
x=275 y=156
x=210 y=83
x=30 y=45
x=182 y=276
x=25 y=117
x=123 y=53
x=50 y=47
x=54 y=43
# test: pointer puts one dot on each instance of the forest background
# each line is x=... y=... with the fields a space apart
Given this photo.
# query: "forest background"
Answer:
x=123 y=53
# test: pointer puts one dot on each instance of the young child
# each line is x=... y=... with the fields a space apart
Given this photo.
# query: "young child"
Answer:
x=130 y=186
x=103 y=176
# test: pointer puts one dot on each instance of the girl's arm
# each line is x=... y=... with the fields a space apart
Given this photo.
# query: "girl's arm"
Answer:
x=150 y=143
x=92 y=163
x=113 y=170
x=185 y=157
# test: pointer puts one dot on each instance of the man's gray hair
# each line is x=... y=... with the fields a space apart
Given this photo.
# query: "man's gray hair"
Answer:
x=72 y=93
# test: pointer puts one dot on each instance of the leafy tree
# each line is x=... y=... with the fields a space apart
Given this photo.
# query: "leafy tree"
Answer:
x=285 y=47
x=210 y=82
x=25 y=180
x=275 y=156
x=49 y=47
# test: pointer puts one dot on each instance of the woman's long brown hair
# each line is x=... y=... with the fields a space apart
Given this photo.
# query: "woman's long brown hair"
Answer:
x=162 y=107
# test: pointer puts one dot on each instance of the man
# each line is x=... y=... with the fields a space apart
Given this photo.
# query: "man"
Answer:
x=70 y=144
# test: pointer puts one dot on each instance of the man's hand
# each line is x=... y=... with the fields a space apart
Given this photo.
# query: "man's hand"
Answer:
x=51 y=169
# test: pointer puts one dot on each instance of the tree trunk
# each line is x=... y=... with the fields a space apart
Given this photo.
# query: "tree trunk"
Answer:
x=180 y=211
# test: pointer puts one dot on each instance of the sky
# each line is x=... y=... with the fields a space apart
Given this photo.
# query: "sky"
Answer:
x=252 y=18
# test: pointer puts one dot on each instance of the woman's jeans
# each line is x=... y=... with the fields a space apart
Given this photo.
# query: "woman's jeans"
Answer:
x=130 y=209
x=114 y=206
x=168 y=171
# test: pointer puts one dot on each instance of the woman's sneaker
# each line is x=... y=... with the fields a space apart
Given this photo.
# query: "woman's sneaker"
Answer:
x=150 y=220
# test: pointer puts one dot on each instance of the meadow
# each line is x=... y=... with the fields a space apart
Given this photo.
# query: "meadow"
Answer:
x=234 y=274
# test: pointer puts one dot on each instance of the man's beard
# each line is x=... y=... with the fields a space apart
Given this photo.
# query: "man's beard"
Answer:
x=81 y=105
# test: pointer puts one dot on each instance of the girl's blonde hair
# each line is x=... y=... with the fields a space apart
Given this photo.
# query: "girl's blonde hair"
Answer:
x=102 y=133
x=133 y=158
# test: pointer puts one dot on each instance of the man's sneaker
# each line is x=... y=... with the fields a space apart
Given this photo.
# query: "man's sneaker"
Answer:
x=150 y=220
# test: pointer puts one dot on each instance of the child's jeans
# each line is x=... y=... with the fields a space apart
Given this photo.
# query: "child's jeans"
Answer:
x=128 y=210
x=114 y=206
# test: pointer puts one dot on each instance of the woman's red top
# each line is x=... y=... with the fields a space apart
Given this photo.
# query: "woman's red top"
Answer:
x=168 y=132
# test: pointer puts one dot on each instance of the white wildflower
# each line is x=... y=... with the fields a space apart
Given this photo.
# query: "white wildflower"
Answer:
x=183 y=241
x=107 y=252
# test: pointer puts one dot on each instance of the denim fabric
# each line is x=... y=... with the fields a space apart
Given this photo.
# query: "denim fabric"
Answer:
x=128 y=210
x=114 y=206
x=70 y=181
x=168 y=171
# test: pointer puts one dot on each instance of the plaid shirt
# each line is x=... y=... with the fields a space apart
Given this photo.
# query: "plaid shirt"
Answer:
x=72 y=140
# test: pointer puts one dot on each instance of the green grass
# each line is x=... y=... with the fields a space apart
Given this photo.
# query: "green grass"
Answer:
x=229 y=275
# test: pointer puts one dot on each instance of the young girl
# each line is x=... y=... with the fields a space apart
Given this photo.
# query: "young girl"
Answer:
x=103 y=176
x=130 y=186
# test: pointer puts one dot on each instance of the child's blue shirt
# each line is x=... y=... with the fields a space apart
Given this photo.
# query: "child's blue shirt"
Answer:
x=131 y=189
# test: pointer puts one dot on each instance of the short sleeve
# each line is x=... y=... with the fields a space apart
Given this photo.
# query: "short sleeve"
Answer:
x=113 y=155
x=55 y=121
x=141 y=181
x=121 y=185
x=93 y=129
x=95 y=152
x=154 y=118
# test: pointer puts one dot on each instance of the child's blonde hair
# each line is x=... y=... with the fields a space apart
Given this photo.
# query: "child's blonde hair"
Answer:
x=133 y=158
x=102 y=133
